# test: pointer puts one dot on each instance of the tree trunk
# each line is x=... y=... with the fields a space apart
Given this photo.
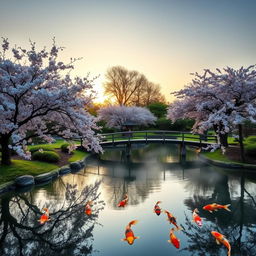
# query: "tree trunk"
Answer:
x=223 y=139
x=240 y=129
x=6 y=153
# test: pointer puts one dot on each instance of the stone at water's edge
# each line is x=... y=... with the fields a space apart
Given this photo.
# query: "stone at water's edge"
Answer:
x=82 y=163
x=64 y=170
x=25 y=180
x=44 y=177
x=75 y=166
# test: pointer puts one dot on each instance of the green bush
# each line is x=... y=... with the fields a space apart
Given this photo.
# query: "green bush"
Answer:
x=46 y=156
x=35 y=148
x=163 y=124
x=250 y=140
x=250 y=150
x=64 y=147
x=158 y=109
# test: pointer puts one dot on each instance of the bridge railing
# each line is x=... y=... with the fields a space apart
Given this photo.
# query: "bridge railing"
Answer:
x=164 y=135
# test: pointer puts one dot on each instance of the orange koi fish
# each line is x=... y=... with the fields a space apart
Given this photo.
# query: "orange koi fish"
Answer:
x=88 y=209
x=173 y=239
x=196 y=218
x=220 y=239
x=129 y=235
x=157 y=209
x=172 y=219
x=45 y=216
x=216 y=207
x=123 y=203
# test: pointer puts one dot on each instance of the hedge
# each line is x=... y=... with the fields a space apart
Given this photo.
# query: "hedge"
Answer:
x=46 y=156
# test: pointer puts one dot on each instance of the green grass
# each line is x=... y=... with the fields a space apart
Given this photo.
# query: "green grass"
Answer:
x=22 y=167
x=77 y=155
x=216 y=155
x=52 y=146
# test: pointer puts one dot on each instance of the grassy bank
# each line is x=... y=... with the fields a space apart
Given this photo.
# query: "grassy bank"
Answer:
x=23 y=167
x=217 y=155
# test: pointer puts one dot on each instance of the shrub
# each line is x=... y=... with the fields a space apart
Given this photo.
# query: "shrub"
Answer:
x=46 y=156
x=250 y=140
x=35 y=148
x=64 y=147
x=250 y=150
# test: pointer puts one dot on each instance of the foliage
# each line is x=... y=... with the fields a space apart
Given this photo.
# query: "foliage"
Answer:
x=131 y=87
x=38 y=98
x=56 y=144
x=163 y=124
x=218 y=100
x=21 y=167
x=250 y=140
x=158 y=109
x=104 y=128
x=119 y=116
x=46 y=156
x=64 y=147
x=33 y=149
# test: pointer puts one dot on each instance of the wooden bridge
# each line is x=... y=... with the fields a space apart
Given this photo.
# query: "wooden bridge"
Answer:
x=174 y=137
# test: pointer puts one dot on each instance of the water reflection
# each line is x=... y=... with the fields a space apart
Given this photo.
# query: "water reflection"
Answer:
x=238 y=225
x=70 y=231
x=150 y=174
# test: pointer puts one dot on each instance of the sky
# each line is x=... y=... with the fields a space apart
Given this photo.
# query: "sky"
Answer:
x=164 y=40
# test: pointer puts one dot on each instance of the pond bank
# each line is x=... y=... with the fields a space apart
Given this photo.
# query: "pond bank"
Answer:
x=209 y=159
x=45 y=177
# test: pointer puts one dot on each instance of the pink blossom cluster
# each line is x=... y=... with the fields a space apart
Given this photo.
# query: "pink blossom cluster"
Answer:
x=118 y=116
x=217 y=100
x=39 y=98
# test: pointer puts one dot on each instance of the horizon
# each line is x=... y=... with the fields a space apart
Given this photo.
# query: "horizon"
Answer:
x=164 y=40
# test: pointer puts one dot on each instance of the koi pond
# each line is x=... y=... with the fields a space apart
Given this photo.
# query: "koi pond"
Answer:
x=151 y=173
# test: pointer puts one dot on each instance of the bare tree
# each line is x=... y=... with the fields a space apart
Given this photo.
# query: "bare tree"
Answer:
x=131 y=87
x=122 y=83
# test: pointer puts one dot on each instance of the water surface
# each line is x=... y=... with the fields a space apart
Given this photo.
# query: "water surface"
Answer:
x=152 y=173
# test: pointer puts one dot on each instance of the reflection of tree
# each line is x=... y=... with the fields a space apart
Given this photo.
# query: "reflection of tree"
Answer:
x=68 y=233
x=239 y=225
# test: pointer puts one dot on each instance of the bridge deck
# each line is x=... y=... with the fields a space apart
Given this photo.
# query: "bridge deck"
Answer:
x=151 y=140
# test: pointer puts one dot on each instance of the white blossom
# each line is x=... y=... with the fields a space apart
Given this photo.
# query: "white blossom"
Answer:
x=37 y=98
x=118 y=116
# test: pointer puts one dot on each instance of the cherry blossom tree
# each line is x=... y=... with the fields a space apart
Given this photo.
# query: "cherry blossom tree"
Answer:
x=39 y=98
x=222 y=100
x=118 y=116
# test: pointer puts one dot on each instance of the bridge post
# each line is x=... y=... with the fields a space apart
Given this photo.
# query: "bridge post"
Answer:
x=183 y=151
x=113 y=139
x=146 y=138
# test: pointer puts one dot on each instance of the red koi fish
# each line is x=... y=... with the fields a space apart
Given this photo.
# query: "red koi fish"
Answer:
x=172 y=220
x=45 y=216
x=123 y=203
x=129 y=235
x=88 y=209
x=216 y=207
x=157 y=209
x=196 y=218
x=173 y=239
x=221 y=239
